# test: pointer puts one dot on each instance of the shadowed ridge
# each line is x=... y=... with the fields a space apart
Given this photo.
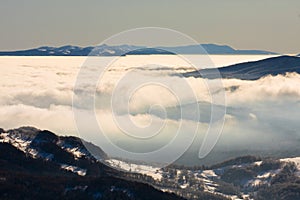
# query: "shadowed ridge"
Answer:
x=252 y=70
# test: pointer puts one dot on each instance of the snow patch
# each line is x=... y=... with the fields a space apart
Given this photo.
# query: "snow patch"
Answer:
x=153 y=172
x=258 y=163
x=74 y=169
x=184 y=185
x=75 y=151
x=16 y=141
x=295 y=160
x=208 y=173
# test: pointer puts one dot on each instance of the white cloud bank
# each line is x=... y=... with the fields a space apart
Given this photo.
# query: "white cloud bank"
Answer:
x=261 y=114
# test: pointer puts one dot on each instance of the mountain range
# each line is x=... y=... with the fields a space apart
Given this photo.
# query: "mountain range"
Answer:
x=252 y=70
x=38 y=164
x=121 y=50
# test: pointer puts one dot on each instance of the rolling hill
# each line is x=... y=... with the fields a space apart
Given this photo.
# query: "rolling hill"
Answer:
x=252 y=70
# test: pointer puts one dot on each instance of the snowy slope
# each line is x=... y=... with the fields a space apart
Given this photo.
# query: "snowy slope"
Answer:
x=248 y=177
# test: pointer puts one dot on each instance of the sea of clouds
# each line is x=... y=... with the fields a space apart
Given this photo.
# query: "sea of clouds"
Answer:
x=262 y=116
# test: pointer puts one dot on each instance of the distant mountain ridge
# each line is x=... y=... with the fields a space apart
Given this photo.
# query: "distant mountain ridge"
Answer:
x=252 y=70
x=121 y=50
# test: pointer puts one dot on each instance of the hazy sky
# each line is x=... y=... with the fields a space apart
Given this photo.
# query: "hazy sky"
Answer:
x=257 y=24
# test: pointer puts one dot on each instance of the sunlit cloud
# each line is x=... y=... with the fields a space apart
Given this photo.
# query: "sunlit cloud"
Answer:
x=261 y=114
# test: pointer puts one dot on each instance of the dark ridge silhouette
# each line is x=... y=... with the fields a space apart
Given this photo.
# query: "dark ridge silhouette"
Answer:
x=252 y=70
x=25 y=177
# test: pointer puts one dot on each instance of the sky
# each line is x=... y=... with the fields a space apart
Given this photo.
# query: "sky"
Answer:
x=272 y=25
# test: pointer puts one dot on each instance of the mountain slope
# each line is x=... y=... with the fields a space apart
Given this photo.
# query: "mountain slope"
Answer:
x=36 y=164
x=105 y=50
x=253 y=70
x=43 y=180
